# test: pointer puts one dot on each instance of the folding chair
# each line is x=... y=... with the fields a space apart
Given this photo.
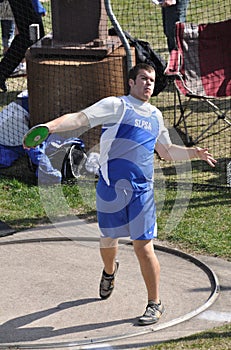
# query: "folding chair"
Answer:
x=202 y=70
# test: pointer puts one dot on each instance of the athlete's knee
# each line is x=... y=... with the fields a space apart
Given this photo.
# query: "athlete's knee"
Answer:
x=143 y=248
x=108 y=242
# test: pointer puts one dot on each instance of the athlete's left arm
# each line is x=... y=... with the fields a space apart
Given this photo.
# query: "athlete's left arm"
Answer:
x=172 y=152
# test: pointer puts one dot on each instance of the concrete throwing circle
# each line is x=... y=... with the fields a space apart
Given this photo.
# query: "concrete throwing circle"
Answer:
x=49 y=293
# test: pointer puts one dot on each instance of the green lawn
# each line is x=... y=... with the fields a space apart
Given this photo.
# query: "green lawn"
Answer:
x=195 y=218
x=216 y=339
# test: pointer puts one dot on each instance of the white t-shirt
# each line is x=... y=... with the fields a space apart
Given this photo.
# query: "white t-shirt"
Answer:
x=110 y=110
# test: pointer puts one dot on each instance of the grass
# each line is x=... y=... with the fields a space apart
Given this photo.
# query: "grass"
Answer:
x=40 y=205
x=217 y=339
x=200 y=228
x=184 y=213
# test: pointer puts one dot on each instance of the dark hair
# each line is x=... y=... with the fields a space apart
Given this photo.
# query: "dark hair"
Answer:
x=134 y=71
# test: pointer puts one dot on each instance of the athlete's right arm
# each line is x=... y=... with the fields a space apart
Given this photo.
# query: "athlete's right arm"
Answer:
x=66 y=122
x=108 y=109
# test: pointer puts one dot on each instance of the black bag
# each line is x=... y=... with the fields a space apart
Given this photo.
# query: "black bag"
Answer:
x=145 y=54
x=66 y=155
x=73 y=162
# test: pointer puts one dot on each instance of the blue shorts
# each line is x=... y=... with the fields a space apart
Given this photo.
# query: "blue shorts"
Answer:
x=125 y=212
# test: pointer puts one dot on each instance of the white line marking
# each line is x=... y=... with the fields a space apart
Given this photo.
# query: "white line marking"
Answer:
x=215 y=316
x=97 y=347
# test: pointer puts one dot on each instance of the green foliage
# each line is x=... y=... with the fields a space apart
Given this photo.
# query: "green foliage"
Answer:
x=20 y=204
x=202 y=216
x=217 y=339
x=205 y=225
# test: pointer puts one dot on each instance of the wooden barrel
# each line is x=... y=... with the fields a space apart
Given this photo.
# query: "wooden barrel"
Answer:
x=58 y=86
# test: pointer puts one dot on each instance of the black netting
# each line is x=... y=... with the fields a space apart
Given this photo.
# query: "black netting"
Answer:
x=81 y=63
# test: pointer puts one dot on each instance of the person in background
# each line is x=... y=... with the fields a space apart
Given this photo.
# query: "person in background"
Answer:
x=24 y=15
x=7 y=25
x=20 y=70
x=173 y=11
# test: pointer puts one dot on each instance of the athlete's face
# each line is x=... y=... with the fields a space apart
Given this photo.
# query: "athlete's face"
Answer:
x=142 y=88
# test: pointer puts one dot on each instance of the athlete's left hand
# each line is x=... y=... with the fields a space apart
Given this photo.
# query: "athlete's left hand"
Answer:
x=203 y=154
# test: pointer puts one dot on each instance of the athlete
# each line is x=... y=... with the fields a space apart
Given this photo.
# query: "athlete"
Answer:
x=131 y=130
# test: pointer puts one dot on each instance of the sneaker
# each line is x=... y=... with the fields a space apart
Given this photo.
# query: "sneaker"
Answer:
x=152 y=314
x=107 y=283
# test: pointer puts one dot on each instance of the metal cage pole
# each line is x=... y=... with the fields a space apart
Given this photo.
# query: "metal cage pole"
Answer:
x=119 y=32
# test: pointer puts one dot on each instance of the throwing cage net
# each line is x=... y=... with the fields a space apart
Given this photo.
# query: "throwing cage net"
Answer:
x=79 y=59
